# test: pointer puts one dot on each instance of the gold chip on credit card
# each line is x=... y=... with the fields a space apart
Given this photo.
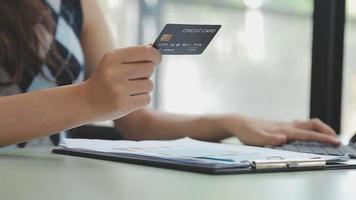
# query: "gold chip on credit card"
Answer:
x=166 y=37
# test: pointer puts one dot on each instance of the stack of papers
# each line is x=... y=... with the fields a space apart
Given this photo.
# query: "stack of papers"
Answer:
x=190 y=150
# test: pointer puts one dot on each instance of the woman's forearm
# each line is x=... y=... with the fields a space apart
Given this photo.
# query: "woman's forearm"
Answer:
x=148 y=124
x=119 y=85
x=41 y=113
x=145 y=124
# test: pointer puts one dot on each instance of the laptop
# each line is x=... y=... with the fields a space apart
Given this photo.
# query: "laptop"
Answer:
x=321 y=148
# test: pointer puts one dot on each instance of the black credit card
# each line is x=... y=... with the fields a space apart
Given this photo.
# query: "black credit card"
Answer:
x=185 y=39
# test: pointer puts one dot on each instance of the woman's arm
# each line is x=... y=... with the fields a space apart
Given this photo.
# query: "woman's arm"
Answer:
x=146 y=124
x=119 y=86
x=39 y=113
x=150 y=124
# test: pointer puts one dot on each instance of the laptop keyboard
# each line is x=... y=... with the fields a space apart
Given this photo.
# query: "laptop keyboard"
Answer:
x=318 y=148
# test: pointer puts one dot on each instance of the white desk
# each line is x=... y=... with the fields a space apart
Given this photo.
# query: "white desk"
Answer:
x=37 y=174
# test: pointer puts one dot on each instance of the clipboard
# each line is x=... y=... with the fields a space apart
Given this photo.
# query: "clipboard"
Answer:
x=214 y=166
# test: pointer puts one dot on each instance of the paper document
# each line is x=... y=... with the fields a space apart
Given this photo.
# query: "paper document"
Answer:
x=193 y=149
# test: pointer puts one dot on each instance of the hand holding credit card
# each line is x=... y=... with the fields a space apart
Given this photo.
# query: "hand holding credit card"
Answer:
x=185 y=39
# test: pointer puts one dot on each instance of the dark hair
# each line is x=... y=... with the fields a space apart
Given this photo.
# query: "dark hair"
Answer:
x=24 y=29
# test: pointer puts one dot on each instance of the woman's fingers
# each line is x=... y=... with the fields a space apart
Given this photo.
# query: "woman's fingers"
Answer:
x=143 y=53
x=142 y=70
x=140 y=101
x=141 y=86
x=308 y=135
x=120 y=83
x=316 y=125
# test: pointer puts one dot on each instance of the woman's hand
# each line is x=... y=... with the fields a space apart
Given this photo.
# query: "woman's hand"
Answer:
x=121 y=82
x=261 y=132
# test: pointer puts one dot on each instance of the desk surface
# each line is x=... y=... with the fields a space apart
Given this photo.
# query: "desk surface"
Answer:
x=39 y=174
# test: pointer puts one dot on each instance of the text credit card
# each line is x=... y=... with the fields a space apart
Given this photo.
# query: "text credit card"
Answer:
x=185 y=39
